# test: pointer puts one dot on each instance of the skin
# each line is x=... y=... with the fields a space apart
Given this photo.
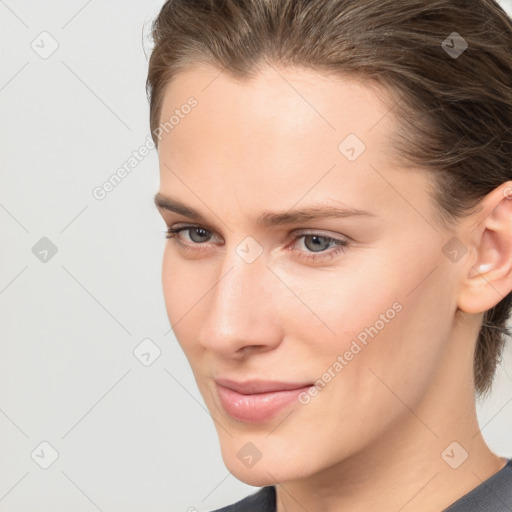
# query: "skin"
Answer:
x=372 y=439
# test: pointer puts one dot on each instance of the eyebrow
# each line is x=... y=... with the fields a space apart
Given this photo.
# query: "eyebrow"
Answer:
x=268 y=219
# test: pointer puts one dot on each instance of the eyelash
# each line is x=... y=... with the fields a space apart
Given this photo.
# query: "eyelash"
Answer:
x=339 y=247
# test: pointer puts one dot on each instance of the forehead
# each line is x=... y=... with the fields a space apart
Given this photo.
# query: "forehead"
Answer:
x=280 y=136
x=302 y=100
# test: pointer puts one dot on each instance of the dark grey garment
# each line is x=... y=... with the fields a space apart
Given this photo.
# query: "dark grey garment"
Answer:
x=263 y=500
x=492 y=495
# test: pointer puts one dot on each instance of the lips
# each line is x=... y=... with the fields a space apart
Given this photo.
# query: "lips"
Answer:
x=251 y=387
x=257 y=401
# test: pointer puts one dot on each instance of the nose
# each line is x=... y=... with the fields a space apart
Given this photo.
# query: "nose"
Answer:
x=241 y=310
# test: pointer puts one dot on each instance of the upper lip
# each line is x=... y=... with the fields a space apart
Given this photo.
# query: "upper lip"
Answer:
x=250 y=387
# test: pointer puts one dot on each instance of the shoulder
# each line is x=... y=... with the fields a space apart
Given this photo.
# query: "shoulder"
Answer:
x=492 y=495
x=263 y=500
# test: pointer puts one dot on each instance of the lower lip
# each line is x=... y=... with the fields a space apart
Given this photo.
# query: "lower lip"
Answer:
x=259 y=407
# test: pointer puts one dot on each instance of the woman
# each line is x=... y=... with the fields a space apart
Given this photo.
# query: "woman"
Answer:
x=336 y=180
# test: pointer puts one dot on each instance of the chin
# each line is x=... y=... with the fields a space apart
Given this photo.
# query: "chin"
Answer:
x=273 y=467
x=261 y=474
x=255 y=477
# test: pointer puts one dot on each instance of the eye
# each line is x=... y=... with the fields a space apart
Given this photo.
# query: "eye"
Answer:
x=315 y=243
x=197 y=234
x=198 y=231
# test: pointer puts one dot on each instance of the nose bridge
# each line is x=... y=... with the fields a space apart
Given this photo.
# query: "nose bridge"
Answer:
x=242 y=284
x=240 y=307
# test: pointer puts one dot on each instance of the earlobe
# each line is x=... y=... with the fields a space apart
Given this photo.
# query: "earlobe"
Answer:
x=489 y=276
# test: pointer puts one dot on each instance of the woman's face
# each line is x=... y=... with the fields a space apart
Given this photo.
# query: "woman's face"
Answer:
x=369 y=321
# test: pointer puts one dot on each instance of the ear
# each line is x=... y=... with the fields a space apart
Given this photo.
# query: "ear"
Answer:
x=488 y=276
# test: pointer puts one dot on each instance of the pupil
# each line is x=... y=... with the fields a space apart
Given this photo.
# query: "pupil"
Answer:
x=317 y=240
x=202 y=233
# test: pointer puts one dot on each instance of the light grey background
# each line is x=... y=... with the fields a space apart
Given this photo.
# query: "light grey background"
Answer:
x=128 y=436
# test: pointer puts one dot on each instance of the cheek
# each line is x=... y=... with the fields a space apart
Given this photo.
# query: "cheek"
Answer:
x=172 y=286
x=395 y=330
x=382 y=315
x=335 y=306
x=182 y=294
x=395 y=365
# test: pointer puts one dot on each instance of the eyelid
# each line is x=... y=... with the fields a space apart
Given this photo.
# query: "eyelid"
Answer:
x=322 y=233
x=185 y=226
x=294 y=233
x=341 y=245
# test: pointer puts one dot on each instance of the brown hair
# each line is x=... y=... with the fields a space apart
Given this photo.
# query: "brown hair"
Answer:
x=454 y=112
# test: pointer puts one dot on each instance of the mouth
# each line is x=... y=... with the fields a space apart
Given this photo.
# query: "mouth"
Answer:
x=258 y=401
